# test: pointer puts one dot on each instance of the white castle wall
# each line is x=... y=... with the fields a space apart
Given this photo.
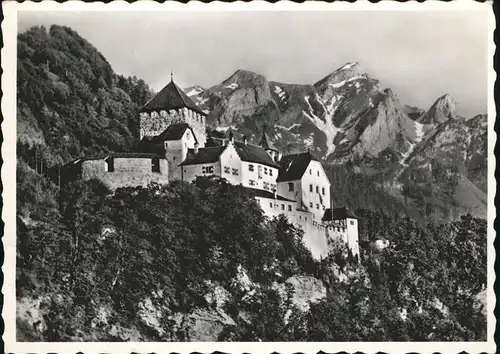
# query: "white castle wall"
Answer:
x=316 y=201
x=259 y=176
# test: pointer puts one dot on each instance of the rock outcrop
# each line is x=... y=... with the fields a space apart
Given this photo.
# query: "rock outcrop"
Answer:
x=443 y=109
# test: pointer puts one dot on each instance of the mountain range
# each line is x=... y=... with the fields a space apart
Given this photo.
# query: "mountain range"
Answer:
x=429 y=162
x=431 y=159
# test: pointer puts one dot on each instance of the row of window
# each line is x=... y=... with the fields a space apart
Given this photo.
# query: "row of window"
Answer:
x=233 y=171
x=282 y=206
x=291 y=188
x=311 y=189
x=267 y=171
x=310 y=172
x=317 y=206
x=155 y=165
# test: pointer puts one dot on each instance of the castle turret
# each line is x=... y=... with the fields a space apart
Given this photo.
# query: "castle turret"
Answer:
x=266 y=143
x=172 y=105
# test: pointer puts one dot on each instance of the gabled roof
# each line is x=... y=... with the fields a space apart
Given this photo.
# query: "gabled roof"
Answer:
x=253 y=153
x=265 y=194
x=294 y=166
x=173 y=132
x=204 y=155
x=338 y=214
x=266 y=143
x=155 y=144
x=171 y=97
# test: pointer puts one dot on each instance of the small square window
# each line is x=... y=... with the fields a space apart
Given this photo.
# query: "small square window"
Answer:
x=317 y=189
x=310 y=188
x=310 y=172
x=318 y=173
x=290 y=187
x=155 y=164
x=271 y=205
x=289 y=208
x=282 y=206
x=352 y=222
x=317 y=206
x=250 y=167
x=265 y=170
x=310 y=205
x=270 y=172
x=323 y=190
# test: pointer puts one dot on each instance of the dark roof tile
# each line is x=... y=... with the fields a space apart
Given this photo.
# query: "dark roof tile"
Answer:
x=171 y=97
x=265 y=194
x=294 y=166
x=338 y=214
x=253 y=153
x=204 y=155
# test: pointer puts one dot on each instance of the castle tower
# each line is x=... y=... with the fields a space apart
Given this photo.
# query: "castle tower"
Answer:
x=172 y=105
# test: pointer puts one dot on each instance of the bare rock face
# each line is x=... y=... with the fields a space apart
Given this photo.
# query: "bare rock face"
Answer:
x=125 y=334
x=151 y=316
x=31 y=312
x=240 y=95
x=346 y=72
x=306 y=290
x=442 y=110
x=217 y=296
x=387 y=127
x=201 y=325
x=480 y=303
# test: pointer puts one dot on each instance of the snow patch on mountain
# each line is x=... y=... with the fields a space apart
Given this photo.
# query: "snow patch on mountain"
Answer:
x=326 y=125
x=343 y=82
x=347 y=66
x=280 y=92
x=232 y=86
x=295 y=125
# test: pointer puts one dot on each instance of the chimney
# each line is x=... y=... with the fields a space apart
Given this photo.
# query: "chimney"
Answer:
x=245 y=139
x=165 y=147
x=195 y=148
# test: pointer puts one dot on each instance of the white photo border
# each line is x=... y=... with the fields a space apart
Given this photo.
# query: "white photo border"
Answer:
x=8 y=175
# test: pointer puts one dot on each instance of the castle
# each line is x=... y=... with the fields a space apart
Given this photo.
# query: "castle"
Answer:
x=174 y=145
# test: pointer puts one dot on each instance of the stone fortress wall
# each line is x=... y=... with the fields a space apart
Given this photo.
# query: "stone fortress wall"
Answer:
x=126 y=172
x=154 y=123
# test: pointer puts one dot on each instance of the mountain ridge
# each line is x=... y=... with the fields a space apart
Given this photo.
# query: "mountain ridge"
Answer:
x=346 y=117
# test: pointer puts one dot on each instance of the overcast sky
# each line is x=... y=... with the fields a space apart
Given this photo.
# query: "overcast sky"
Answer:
x=420 y=55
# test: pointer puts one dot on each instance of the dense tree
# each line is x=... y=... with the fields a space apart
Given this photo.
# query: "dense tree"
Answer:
x=69 y=100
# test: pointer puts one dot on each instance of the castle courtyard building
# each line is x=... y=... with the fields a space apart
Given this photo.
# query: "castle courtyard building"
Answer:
x=173 y=146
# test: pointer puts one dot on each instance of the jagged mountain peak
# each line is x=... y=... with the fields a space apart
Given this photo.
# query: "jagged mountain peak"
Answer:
x=348 y=71
x=244 y=77
x=443 y=109
x=194 y=90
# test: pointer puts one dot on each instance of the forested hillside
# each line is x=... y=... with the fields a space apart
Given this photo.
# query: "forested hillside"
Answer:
x=201 y=262
x=69 y=100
